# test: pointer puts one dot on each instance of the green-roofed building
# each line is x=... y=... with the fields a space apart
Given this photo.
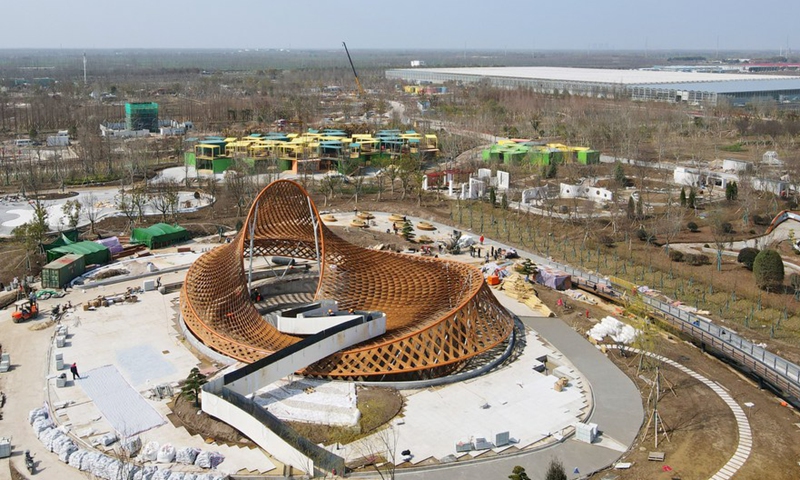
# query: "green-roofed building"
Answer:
x=159 y=235
x=93 y=252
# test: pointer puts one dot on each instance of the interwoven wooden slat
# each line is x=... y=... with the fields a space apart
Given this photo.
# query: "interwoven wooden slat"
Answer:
x=439 y=313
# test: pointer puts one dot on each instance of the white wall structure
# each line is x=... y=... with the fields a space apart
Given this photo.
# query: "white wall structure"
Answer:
x=689 y=177
x=425 y=182
x=776 y=187
x=477 y=189
x=595 y=194
x=534 y=195
x=484 y=173
x=733 y=165
x=503 y=180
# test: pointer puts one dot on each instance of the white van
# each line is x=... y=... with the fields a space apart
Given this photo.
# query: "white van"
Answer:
x=23 y=142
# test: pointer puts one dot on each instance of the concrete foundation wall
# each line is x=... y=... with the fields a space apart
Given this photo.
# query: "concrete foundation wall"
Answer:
x=308 y=355
x=241 y=420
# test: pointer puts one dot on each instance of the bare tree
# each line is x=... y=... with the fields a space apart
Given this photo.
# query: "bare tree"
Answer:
x=241 y=187
x=90 y=210
x=165 y=198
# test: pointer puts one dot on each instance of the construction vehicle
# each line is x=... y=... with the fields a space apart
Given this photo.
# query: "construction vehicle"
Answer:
x=361 y=92
x=24 y=310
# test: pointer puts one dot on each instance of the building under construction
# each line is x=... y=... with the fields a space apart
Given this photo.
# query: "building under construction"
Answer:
x=141 y=116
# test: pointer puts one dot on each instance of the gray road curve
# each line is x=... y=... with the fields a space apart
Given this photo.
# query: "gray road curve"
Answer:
x=618 y=412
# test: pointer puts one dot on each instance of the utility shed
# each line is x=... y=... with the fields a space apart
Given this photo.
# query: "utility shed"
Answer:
x=94 y=253
x=62 y=270
x=159 y=235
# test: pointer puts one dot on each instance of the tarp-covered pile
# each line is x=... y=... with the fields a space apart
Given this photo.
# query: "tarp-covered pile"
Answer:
x=159 y=235
x=112 y=243
x=555 y=279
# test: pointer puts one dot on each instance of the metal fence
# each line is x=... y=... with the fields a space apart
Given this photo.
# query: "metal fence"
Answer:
x=778 y=372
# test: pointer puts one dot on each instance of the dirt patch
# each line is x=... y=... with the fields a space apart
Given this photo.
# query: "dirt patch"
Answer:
x=377 y=406
x=701 y=428
x=15 y=474
x=196 y=422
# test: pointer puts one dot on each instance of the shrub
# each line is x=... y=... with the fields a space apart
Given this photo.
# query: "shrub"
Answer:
x=768 y=270
x=606 y=241
x=762 y=220
x=676 y=255
x=726 y=227
x=794 y=281
x=747 y=256
x=696 y=259
x=641 y=234
x=692 y=227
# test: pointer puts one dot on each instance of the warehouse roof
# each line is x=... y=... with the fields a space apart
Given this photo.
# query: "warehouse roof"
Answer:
x=601 y=75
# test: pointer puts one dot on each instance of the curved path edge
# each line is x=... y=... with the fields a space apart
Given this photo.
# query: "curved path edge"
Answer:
x=743 y=425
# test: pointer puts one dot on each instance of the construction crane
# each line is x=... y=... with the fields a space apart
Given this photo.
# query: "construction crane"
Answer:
x=355 y=74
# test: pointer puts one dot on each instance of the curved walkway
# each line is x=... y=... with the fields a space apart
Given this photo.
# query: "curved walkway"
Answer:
x=743 y=425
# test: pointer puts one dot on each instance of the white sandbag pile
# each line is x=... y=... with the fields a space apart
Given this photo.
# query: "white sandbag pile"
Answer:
x=131 y=445
x=208 y=459
x=150 y=451
x=109 y=468
x=166 y=454
x=187 y=456
x=611 y=327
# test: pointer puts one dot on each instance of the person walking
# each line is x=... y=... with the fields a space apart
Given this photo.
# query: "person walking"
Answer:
x=74 y=369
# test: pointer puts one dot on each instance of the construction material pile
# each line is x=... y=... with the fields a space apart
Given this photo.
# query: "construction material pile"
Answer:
x=517 y=288
x=611 y=327
x=107 y=467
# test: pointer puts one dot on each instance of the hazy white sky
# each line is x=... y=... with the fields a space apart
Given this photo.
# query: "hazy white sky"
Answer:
x=408 y=24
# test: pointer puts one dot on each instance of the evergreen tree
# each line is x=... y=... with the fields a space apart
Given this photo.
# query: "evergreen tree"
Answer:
x=407 y=232
x=692 y=198
x=731 y=191
x=631 y=208
x=639 y=209
x=555 y=471
x=619 y=175
x=492 y=197
x=768 y=270
x=191 y=387
x=504 y=202
x=683 y=196
x=519 y=474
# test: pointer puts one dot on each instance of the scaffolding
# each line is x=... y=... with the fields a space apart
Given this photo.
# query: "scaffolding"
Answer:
x=141 y=116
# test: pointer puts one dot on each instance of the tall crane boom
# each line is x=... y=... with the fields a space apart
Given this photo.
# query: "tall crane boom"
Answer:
x=355 y=74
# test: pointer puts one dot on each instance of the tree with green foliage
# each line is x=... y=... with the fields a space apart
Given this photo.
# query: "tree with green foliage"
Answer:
x=692 y=227
x=747 y=257
x=639 y=209
x=492 y=197
x=407 y=232
x=504 y=202
x=192 y=386
x=33 y=233
x=691 y=201
x=768 y=270
x=549 y=171
x=731 y=191
x=619 y=175
x=518 y=473
x=72 y=210
x=555 y=471
x=683 y=196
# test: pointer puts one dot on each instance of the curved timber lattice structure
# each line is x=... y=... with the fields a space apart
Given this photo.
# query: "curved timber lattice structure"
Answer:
x=439 y=313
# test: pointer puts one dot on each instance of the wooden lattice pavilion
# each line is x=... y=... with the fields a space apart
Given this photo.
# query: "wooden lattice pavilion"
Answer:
x=439 y=313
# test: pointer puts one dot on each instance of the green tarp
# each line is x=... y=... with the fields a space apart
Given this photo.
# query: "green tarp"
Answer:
x=159 y=235
x=65 y=238
x=94 y=253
